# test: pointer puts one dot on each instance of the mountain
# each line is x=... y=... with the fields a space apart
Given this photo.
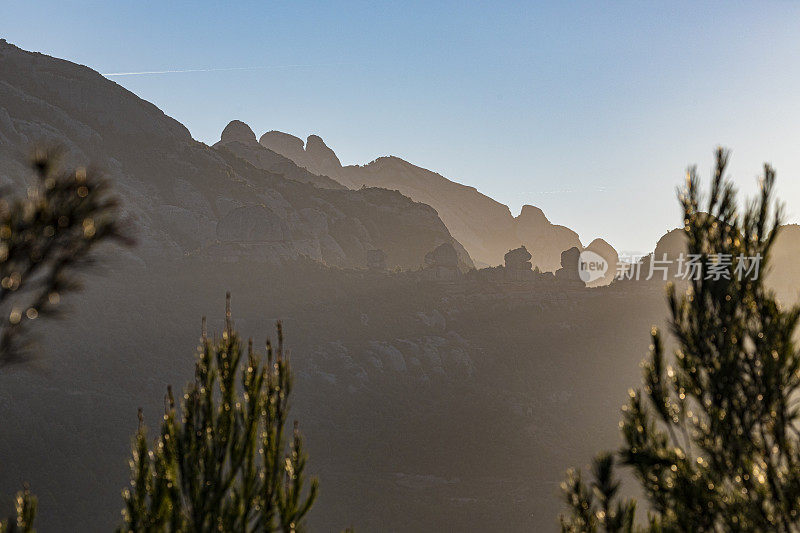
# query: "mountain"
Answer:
x=484 y=226
x=240 y=139
x=222 y=203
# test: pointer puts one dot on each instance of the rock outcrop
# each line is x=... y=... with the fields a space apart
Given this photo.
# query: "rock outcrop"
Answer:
x=569 y=266
x=239 y=139
x=442 y=262
x=518 y=259
x=322 y=158
x=286 y=145
x=607 y=252
x=238 y=131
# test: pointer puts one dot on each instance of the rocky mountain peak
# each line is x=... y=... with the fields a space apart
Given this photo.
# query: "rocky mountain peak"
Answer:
x=321 y=156
x=315 y=156
x=238 y=131
x=607 y=252
x=285 y=144
x=531 y=216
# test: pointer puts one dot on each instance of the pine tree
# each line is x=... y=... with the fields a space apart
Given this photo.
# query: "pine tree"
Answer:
x=712 y=437
x=220 y=462
x=25 y=508
x=46 y=238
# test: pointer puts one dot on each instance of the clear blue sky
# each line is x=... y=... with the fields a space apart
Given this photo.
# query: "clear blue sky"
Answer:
x=590 y=111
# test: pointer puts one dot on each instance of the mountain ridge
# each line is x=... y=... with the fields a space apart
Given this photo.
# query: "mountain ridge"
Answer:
x=485 y=227
x=181 y=191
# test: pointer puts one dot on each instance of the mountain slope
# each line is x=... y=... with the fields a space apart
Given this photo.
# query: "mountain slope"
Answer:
x=484 y=226
x=240 y=139
x=189 y=198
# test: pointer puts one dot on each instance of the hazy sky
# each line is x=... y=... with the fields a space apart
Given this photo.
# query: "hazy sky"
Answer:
x=590 y=111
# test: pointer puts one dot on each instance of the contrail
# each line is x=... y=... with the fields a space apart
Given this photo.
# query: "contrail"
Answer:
x=182 y=71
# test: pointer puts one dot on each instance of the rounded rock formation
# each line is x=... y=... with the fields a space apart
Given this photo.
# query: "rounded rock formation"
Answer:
x=238 y=131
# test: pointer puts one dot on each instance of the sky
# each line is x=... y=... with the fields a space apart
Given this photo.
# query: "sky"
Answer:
x=591 y=111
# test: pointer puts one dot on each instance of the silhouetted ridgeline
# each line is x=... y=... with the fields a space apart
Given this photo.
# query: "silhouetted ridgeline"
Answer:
x=484 y=226
x=187 y=196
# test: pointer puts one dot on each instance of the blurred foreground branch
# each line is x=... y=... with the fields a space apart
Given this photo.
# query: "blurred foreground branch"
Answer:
x=47 y=237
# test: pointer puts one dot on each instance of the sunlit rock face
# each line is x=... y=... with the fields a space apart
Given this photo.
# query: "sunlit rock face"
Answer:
x=671 y=244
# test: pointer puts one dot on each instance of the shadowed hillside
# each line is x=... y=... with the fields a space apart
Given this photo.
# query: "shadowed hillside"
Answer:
x=425 y=405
